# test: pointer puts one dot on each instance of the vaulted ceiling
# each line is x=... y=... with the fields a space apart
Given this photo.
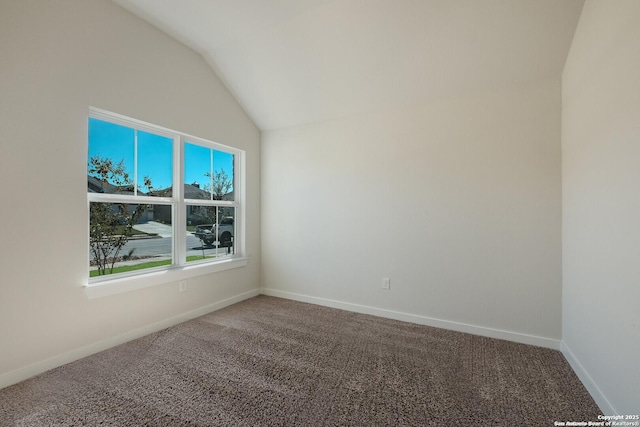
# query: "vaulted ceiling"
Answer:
x=292 y=62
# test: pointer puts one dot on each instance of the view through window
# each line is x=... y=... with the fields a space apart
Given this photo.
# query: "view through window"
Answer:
x=157 y=198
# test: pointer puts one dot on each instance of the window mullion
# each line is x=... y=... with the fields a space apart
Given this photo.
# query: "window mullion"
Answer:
x=229 y=203
x=211 y=172
x=180 y=222
x=117 y=198
x=135 y=161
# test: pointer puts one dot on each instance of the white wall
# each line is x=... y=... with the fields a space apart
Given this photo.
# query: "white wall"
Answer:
x=458 y=202
x=57 y=59
x=601 y=203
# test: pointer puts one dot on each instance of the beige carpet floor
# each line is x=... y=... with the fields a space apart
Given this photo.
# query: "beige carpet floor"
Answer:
x=274 y=362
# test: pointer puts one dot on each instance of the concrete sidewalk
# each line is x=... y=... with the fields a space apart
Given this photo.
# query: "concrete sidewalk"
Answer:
x=153 y=227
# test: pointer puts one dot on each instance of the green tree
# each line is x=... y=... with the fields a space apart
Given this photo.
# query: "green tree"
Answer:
x=111 y=224
x=220 y=185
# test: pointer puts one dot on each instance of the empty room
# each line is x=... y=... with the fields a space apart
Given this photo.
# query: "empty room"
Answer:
x=320 y=212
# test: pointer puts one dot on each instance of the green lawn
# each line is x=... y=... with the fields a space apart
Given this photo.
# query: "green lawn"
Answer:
x=143 y=265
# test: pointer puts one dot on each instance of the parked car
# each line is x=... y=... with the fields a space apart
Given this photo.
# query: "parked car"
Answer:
x=223 y=232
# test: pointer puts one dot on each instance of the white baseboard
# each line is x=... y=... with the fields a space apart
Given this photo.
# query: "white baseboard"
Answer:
x=601 y=400
x=26 y=372
x=421 y=320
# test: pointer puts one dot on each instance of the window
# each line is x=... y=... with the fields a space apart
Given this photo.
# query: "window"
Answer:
x=210 y=202
x=158 y=199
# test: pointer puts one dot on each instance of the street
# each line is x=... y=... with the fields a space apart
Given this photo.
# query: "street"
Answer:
x=162 y=246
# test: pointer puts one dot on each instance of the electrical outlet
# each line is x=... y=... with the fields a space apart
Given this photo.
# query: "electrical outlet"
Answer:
x=183 y=286
x=386 y=283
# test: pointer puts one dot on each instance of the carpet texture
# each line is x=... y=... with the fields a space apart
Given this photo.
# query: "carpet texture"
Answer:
x=274 y=362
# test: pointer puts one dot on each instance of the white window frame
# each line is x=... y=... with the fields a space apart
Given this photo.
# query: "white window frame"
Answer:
x=179 y=269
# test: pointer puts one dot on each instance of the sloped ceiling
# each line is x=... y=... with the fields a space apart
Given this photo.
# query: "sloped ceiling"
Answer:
x=293 y=62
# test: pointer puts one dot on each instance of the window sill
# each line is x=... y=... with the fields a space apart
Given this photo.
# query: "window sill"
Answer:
x=131 y=283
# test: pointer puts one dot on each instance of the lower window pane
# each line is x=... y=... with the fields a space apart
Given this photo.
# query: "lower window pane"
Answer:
x=128 y=237
x=210 y=232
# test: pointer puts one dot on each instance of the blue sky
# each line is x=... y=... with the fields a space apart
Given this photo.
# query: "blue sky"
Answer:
x=198 y=162
x=155 y=155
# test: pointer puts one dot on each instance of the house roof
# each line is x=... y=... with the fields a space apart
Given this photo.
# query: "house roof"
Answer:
x=195 y=192
x=95 y=185
x=191 y=191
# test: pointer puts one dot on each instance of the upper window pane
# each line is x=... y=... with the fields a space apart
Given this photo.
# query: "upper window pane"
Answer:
x=124 y=160
x=208 y=173
x=110 y=166
x=155 y=160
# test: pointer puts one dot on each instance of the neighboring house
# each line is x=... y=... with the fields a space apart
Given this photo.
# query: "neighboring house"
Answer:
x=162 y=213
x=193 y=191
x=96 y=185
x=196 y=215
